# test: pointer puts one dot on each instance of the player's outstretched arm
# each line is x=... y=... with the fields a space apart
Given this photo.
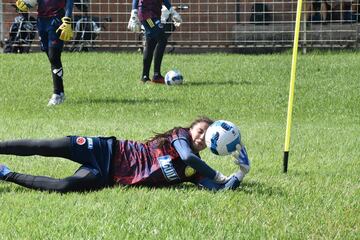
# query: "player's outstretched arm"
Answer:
x=187 y=155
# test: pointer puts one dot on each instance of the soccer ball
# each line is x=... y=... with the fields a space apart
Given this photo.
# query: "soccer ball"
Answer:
x=222 y=137
x=173 y=77
x=31 y=3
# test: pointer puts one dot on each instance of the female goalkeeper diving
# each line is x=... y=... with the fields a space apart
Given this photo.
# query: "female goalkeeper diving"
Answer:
x=166 y=159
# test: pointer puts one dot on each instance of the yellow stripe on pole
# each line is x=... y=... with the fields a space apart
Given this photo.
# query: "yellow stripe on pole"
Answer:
x=292 y=84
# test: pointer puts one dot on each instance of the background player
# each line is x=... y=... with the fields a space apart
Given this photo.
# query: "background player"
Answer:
x=148 y=14
x=166 y=159
x=54 y=27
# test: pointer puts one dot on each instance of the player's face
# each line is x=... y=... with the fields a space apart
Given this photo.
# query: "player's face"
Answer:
x=198 y=136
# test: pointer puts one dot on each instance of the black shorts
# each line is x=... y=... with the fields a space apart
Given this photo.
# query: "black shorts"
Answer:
x=154 y=29
x=94 y=153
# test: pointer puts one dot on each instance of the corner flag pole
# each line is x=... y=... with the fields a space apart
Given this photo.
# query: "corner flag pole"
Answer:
x=292 y=85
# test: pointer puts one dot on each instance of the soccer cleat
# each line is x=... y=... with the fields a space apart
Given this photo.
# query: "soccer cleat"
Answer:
x=157 y=78
x=145 y=79
x=4 y=170
x=56 y=99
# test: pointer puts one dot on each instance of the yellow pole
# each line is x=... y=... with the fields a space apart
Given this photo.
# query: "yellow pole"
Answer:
x=292 y=85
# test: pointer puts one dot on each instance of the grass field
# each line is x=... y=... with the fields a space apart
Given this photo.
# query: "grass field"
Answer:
x=317 y=199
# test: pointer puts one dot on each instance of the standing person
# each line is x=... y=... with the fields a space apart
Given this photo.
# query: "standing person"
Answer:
x=148 y=14
x=54 y=27
x=166 y=159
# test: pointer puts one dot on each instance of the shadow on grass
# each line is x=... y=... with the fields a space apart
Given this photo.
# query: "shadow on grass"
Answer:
x=230 y=82
x=253 y=187
x=107 y=100
x=9 y=187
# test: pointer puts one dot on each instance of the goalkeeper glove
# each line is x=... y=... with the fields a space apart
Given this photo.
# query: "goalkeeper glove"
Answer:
x=242 y=159
x=21 y=5
x=220 y=178
x=65 y=29
x=165 y=15
x=134 y=24
x=233 y=183
x=175 y=16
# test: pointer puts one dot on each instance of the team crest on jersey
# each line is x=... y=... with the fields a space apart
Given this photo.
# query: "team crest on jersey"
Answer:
x=168 y=168
x=189 y=171
x=80 y=141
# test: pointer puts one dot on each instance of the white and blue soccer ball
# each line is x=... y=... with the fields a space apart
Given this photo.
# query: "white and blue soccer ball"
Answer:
x=173 y=77
x=31 y=3
x=222 y=137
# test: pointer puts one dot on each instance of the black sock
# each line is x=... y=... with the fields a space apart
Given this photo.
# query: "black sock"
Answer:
x=148 y=55
x=158 y=54
x=54 y=55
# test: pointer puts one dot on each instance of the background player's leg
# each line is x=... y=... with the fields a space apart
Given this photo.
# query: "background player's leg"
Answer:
x=45 y=147
x=84 y=179
x=159 y=53
x=55 y=46
x=54 y=55
x=147 y=57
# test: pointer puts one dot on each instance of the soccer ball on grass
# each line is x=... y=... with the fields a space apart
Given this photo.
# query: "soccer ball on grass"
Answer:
x=222 y=137
x=173 y=77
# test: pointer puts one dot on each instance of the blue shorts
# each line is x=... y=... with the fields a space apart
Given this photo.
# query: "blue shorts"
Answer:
x=154 y=29
x=47 y=32
x=94 y=153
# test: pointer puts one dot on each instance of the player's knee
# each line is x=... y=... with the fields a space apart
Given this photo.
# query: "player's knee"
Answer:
x=64 y=186
x=55 y=57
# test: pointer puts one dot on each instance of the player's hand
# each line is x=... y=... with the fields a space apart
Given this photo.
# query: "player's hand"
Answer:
x=233 y=183
x=134 y=24
x=21 y=5
x=220 y=178
x=165 y=14
x=242 y=159
x=175 y=16
x=65 y=29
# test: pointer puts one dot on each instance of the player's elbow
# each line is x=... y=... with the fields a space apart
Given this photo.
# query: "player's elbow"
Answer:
x=187 y=158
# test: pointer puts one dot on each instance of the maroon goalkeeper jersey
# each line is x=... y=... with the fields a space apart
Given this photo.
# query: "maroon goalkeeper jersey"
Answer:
x=148 y=164
x=149 y=9
x=50 y=8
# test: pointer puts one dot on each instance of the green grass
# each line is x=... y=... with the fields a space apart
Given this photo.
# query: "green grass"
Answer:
x=317 y=199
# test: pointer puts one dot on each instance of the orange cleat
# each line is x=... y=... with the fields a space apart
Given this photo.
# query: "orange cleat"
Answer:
x=157 y=78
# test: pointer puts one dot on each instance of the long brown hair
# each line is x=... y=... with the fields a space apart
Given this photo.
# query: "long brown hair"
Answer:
x=161 y=137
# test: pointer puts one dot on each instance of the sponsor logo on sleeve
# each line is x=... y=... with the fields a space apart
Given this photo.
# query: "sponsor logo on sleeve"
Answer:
x=168 y=168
